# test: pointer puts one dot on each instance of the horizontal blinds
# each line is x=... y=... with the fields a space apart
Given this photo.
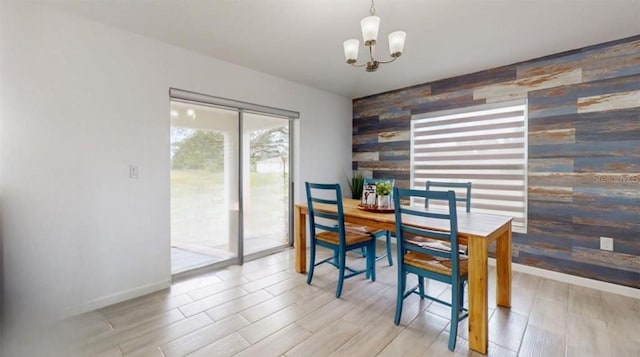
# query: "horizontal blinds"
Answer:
x=484 y=145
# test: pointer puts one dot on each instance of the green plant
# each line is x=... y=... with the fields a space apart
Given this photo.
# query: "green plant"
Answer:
x=355 y=184
x=383 y=188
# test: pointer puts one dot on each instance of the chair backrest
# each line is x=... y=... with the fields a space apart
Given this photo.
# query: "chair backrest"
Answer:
x=465 y=185
x=408 y=219
x=371 y=181
x=326 y=194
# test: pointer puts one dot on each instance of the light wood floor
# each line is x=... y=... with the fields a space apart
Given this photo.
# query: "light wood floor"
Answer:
x=186 y=259
x=264 y=308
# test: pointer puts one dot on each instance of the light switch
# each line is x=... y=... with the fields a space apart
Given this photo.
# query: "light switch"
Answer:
x=134 y=171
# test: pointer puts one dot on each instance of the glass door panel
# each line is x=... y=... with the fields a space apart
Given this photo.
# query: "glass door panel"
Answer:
x=265 y=182
x=204 y=185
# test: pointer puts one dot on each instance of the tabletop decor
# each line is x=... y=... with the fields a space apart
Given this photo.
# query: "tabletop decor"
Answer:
x=383 y=192
x=355 y=184
x=376 y=209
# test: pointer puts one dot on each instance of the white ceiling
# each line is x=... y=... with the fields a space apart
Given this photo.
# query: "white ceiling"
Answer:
x=301 y=40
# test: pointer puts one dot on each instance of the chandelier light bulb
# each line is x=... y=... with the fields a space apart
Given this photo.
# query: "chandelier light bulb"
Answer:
x=351 y=48
x=396 y=43
x=370 y=26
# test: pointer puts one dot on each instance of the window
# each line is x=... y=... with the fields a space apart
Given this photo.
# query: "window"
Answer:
x=486 y=145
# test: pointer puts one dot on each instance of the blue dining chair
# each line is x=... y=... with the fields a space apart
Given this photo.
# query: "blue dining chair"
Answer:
x=464 y=185
x=380 y=233
x=427 y=259
x=466 y=198
x=327 y=229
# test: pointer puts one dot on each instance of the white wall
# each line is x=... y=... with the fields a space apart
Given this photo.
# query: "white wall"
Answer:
x=81 y=101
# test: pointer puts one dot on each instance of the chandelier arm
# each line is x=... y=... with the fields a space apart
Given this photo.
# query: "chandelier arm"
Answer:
x=358 y=65
x=389 y=61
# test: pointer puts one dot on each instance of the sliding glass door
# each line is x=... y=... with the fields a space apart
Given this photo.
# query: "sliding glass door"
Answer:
x=265 y=182
x=204 y=185
x=230 y=184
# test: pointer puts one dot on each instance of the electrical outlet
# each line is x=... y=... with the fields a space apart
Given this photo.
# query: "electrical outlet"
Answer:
x=606 y=243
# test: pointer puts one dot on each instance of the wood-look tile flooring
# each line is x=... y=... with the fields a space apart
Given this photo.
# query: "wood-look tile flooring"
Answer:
x=184 y=260
x=264 y=308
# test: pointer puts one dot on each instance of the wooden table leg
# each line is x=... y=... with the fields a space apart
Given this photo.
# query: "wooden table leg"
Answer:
x=478 y=297
x=503 y=269
x=300 y=240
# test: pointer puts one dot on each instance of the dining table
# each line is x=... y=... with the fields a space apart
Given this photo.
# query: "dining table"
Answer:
x=476 y=230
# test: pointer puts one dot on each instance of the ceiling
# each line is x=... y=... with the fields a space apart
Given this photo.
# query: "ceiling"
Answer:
x=301 y=40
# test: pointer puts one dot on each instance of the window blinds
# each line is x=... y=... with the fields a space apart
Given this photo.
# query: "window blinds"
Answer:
x=485 y=145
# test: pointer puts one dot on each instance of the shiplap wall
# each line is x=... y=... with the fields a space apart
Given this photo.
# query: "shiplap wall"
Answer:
x=584 y=151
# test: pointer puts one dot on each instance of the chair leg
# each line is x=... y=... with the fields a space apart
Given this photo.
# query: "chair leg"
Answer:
x=402 y=282
x=421 y=286
x=389 y=258
x=371 y=260
x=365 y=254
x=455 y=314
x=312 y=262
x=341 y=265
x=461 y=297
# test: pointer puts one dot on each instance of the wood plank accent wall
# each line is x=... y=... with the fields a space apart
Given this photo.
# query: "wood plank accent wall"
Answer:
x=584 y=151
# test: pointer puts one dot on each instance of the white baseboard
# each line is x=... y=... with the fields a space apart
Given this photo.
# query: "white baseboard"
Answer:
x=575 y=280
x=117 y=297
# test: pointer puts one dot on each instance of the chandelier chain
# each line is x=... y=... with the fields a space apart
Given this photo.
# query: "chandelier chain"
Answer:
x=372 y=11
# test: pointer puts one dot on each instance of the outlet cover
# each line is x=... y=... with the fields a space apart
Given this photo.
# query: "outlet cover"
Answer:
x=606 y=243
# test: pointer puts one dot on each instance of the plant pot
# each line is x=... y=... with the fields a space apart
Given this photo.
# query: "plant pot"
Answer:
x=384 y=201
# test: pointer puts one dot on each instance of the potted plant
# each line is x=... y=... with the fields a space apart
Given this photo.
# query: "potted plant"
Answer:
x=355 y=185
x=383 y=190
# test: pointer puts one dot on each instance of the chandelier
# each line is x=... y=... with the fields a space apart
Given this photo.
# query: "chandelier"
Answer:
x=370 y=25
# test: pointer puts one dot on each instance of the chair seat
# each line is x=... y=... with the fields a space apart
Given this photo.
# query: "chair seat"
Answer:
x=352 y=228
x=436 y=244
x=350 y=237
x=436 y=264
